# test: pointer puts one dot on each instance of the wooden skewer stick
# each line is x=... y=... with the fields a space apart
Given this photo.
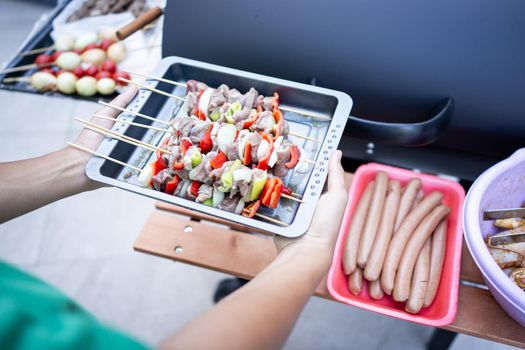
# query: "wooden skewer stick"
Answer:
x=291 y=198
x=284 y=108
x=145 y=87
x=132 y=112
x=100 y=131
x=144 y=126
x=271 y=219
x=95 y=153
x=131 y=139
x=16 y=80
x=26 y=67
x=310 y=161
x=35 y=51
x=303 y=137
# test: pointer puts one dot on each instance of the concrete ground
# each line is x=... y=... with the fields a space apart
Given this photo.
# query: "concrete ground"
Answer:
x=82 y=245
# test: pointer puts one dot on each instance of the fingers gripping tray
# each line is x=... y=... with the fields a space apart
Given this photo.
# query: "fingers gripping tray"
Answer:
x=314 y=112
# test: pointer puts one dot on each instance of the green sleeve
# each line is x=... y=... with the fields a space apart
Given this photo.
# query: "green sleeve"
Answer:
x=36 y=316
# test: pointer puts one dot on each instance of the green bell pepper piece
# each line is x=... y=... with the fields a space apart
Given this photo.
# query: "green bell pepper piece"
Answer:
x=234 y=108
x=258 y=186
x=214 y=116
x=196 y=158
x=227 y=176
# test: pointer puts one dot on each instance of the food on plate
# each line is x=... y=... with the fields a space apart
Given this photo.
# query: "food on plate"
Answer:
x=405 y=262
x=43 y=81
x=375 y=260
x=68 y=60
x=64 y=42
x=66 y=82
x=355 y=281
x=419 y=283
x=85 y=39
x=103 y=7
x=407 y=200
x=106 y=86
x=220 y=153
x=117 y=51
x=437 y=258
x=402 y=236
x=412 y=250
x=507 y=251
x=375 y=290
x=86 y=86
x=94 y=56
x=356 y=227
x=373 y=217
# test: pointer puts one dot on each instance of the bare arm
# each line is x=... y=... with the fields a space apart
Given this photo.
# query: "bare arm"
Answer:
x=262 y=314
x=29 y=184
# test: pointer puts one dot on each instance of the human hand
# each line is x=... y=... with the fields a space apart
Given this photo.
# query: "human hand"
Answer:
x=91 y=139
x=320 y=239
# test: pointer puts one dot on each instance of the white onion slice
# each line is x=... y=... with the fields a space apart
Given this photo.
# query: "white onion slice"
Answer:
x=218 y=197
x=242 y=174
x=184 y=189
x=261 y=150
x=273 y=158
x=145 y=175
x=204 y=101
x=226 y=135
x=240 y=206
x=242 y=142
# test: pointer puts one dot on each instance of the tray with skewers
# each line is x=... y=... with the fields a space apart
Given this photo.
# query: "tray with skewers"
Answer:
x=241 y=146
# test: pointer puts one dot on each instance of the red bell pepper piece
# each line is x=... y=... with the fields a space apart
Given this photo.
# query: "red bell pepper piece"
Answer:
x=185 y=143
x=194 y=188
x=158 y=165
x=278 y=127
x=266 y=193
x=196 y=108
x=172 y=185
x=178 y=165
x=206 y=144
x=276 y=193
x=247 y=154
x=275 y=102
x=218 y=160
x=250 y=210
x=286 y=190
x=263 y=162
x=294 y=157
x=249 y=122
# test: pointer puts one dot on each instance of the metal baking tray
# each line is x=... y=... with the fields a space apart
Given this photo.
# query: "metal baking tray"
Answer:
x=308 y=180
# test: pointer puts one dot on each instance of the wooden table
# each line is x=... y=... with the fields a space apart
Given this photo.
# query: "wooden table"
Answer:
x=198 y=239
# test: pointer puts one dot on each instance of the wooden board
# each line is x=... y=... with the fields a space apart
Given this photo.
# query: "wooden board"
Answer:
x=213 y=245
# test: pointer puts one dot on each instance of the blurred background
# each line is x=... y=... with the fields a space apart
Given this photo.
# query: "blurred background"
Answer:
x=83 y=244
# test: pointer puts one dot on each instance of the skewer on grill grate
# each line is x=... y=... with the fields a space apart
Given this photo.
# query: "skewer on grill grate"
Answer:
x=286 y=109
x=138 y=143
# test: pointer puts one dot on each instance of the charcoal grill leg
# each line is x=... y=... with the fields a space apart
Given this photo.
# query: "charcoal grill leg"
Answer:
x=227 y=286
x=441 y=339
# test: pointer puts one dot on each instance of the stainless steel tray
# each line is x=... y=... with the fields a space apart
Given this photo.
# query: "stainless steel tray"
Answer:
x=308 y=180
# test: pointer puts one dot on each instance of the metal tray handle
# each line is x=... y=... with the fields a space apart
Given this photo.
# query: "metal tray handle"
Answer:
x=404 y=134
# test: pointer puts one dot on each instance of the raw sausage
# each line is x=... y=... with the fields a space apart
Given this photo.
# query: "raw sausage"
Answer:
x=437 y=257
x=412 y=249
x=401 y=237
x=419 y=287
x=407 y=200
x=375 y=291
x=372 y=222
x=386 y=227
x=356 y=227
x=355 y=281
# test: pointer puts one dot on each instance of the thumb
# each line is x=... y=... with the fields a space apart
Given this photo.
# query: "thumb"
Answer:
x=336 y=173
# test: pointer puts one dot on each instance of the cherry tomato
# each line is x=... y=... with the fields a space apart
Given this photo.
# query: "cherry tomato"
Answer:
x=109 y=66
x=124 y=75
x=55 y=55
x=91 y=46
x=78 y=71
x=105 y=43
x=91 y=71
x=47 y=70
x=43 y=59
x=103 y=74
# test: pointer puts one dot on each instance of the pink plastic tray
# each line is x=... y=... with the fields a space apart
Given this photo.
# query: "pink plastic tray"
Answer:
x=443 y=310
